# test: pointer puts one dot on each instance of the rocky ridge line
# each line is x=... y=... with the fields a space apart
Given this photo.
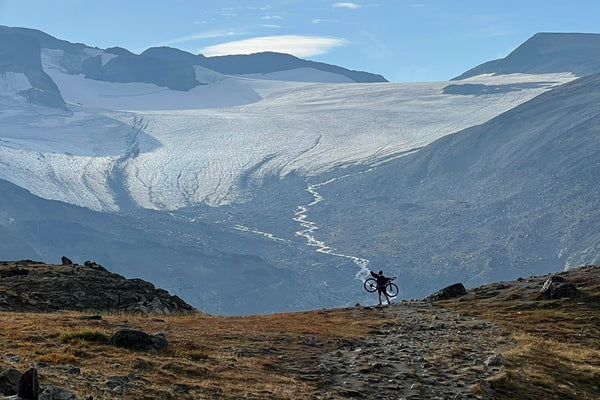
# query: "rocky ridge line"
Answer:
x=30 y=286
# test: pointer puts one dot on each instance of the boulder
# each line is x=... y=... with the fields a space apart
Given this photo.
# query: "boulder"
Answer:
x=9 y=380
x=495 y=360
x=448 y=292
x=557 y=287
x=138 y=340
x=53 y=393
x=66 y=261
x=28 y=387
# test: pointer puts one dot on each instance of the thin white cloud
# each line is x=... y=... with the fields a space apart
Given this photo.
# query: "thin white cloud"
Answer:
x=297 y=45
x=271 y=17
x=203 y=35
x=323 y=21
x=351 y=6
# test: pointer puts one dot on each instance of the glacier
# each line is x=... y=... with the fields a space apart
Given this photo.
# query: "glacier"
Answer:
x=177 y=149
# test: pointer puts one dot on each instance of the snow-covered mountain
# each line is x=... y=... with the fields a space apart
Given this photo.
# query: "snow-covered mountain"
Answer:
x=247 y=189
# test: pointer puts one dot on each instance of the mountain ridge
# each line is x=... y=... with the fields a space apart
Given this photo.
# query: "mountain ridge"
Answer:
x=164 y=67
x=577 y=53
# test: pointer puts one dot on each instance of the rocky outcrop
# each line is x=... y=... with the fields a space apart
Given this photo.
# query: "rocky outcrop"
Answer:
x=557 y=287
x=35 y=286
x=449 y=292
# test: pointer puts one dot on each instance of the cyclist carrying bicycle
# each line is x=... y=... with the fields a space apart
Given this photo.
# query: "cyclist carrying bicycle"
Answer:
x=382 y=282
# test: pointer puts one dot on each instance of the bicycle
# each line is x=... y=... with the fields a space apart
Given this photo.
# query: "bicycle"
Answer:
x=390 y=287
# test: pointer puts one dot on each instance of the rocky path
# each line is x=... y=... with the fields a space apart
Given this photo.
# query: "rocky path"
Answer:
x=425 y=352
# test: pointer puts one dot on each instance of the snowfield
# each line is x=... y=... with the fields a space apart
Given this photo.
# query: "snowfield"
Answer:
x=169 y=149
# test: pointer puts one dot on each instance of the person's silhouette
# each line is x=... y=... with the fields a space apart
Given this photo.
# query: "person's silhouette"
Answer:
x=382 y=282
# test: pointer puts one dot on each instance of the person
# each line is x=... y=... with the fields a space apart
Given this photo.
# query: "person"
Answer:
x=382 y=282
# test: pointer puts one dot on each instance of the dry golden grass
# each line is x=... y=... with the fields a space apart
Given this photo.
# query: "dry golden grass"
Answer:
x=272 y=356
x=557 y=351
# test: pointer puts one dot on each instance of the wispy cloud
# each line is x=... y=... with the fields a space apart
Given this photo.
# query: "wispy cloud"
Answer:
x=300 y=46
x=352 y=6
x=324 y=21
x=203 y=35
x=374 y=48
x=271 y=17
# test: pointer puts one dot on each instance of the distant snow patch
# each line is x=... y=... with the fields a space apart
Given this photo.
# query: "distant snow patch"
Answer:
x=12 y=83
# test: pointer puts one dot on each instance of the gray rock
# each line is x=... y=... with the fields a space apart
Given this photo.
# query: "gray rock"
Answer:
x=448 y=292
x=28 y=387
x=556 y=287
x=119 y=384
x=138 y=340
x=66 y=261
x=9 y=380
x=53 y=393
x=495 y=361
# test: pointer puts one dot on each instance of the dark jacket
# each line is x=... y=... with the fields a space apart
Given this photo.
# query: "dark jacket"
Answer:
x=381 y=280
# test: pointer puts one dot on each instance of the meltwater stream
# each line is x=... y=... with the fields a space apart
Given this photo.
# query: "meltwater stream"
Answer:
x=309 y=228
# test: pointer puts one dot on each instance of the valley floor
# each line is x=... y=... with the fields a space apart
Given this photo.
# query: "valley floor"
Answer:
x=410 y=350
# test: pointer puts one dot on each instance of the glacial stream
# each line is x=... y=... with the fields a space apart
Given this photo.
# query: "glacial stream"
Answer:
x=309 y=228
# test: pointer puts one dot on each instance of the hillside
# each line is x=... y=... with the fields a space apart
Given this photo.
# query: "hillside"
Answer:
x=499 y=341
x=510 y=197
x=544 y=53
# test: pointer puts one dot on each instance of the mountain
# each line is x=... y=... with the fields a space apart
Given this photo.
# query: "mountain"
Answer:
x=22 y=51
x=269 y=62
x=544 y=53
x=243 y=195
x=502 y=199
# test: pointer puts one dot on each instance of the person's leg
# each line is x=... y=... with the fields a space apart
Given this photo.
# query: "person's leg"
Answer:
x=379 y=293
x=387 y=296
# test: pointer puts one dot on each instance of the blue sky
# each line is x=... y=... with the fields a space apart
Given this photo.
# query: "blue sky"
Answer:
x=412 y=40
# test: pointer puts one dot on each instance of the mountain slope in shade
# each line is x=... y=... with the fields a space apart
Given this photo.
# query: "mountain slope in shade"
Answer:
x=212 y=268
x=578 y=53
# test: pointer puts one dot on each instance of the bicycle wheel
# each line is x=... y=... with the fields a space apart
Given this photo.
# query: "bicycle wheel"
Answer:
x=370 y=285
x=392 y=289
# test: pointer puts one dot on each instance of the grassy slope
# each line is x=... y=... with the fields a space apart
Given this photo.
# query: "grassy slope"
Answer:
x=556 y=352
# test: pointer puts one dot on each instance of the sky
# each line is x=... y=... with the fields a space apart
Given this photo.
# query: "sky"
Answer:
x=403 y=40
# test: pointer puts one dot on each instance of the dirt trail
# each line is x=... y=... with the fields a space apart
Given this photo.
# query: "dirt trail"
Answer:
x=424 y=352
